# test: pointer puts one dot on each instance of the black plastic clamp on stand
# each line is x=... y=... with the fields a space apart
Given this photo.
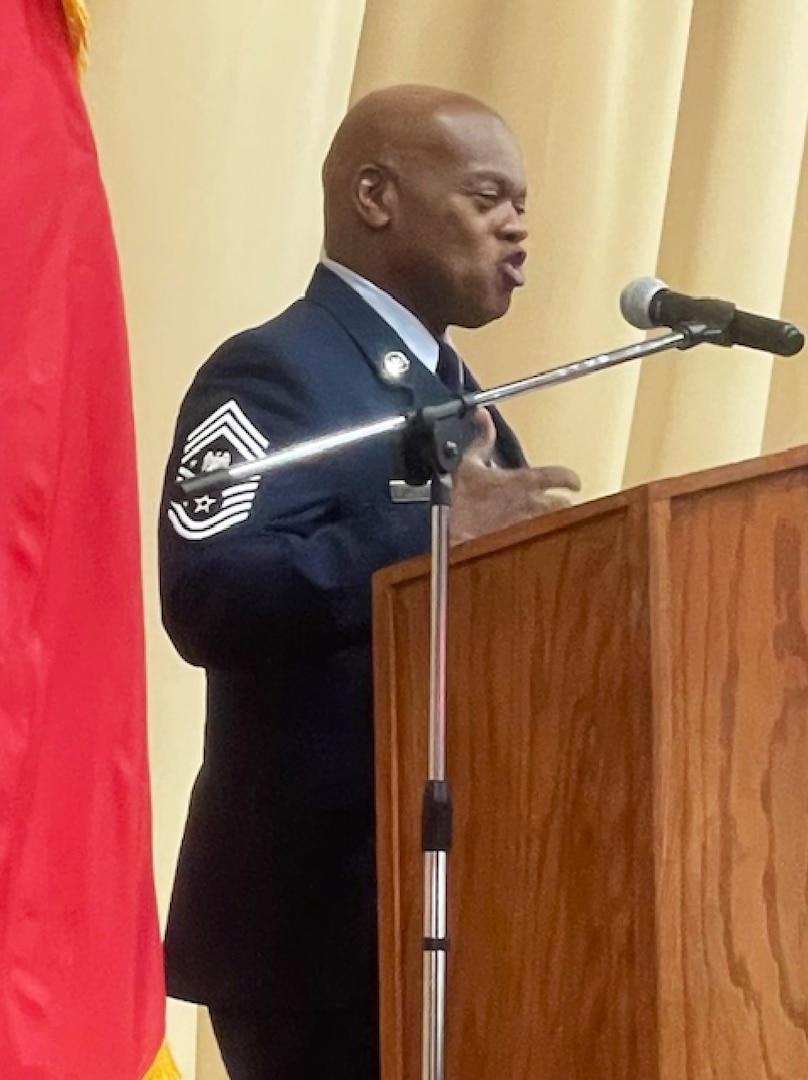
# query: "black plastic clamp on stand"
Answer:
x=434 y=440
x=436 y=818
x=715 y=330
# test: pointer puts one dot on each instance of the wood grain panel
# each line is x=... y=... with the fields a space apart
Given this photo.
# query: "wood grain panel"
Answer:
x=629 y=753
x=732 y=829
x=552 y=974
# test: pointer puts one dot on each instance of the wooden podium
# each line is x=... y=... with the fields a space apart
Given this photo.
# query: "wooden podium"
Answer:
x=628 y=751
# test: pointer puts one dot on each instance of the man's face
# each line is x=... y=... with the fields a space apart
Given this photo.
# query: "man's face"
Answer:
x=455 y=236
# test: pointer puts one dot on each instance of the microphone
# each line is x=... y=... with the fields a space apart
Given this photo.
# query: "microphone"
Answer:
x=648 y=302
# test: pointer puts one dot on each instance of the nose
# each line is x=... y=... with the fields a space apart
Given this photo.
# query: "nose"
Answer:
x=515 y=227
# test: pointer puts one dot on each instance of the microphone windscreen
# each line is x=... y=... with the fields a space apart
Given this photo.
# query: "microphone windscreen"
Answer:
x=635 y=301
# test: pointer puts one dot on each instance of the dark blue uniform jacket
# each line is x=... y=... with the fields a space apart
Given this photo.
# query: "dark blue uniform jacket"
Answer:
x=267 y=586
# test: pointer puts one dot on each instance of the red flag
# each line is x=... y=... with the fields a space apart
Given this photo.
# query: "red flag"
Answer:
x=81 y=983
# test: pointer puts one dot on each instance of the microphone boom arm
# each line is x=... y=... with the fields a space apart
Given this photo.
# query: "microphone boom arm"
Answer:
x=684 y=337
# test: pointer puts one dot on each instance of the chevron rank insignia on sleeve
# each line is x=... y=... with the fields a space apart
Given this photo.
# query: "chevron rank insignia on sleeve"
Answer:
x=225 y=439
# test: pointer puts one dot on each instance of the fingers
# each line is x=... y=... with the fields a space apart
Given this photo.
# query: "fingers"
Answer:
x=556 y=476
x=489 y=499
x=481 y=449
x=546 y=501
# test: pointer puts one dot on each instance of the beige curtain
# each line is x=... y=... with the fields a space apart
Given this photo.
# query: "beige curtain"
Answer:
x=662 y=136
x=211 y=121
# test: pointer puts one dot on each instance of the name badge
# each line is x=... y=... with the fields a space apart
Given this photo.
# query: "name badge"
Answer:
x=402 y=492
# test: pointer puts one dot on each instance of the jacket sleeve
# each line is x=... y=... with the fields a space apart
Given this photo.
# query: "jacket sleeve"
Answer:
x=281 y=563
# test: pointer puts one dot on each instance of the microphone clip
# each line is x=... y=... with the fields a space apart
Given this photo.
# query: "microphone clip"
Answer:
x=434 y=440
x=702 y=333
x=705 y=319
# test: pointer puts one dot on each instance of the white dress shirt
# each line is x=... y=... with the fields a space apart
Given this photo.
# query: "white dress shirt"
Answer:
x=410 y=329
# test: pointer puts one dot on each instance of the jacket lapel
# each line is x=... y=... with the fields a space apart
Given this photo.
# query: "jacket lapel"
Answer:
x=391 y=360
x=381 y=347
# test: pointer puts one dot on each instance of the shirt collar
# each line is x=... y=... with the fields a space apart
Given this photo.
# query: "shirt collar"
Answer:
x=409 y=328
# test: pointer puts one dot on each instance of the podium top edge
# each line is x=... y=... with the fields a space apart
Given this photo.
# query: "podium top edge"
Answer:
x=643 y=495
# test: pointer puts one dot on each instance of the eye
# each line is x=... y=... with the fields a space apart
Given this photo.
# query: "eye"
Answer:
x=491 y=198
x=488 y=198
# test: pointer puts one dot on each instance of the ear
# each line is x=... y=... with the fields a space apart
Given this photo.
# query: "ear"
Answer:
x=374 y=195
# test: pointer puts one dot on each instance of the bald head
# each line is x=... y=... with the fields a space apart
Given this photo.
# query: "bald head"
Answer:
x=390 y=128
x=402 y=155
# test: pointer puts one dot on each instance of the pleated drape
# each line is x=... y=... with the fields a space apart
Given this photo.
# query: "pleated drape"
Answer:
x=212 y=120
x=661 y=137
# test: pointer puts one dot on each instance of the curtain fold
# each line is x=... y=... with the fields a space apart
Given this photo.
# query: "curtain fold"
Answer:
x=661 y=136
x=787 y=411
x=729 y=223
x=211 y=120
x=660 y=139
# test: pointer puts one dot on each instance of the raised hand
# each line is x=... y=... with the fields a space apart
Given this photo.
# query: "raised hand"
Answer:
x=487 y=498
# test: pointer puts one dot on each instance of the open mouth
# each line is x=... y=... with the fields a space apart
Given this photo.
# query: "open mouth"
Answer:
x=512 y=268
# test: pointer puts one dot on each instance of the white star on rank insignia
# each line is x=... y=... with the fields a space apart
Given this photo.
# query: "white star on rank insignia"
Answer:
x=224 y=438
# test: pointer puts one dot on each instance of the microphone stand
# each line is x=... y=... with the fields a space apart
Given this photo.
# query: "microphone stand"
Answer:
x=684 y=337
x=433 y=440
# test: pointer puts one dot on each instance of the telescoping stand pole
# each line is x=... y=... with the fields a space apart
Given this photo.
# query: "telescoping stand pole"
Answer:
x=434 y=440
x=436 y=821
x=433 y=448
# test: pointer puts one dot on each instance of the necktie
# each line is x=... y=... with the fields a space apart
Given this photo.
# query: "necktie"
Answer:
x=450 y=368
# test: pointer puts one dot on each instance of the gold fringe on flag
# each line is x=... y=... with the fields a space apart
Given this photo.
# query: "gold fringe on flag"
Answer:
x=164 y=1067
x=78 y=25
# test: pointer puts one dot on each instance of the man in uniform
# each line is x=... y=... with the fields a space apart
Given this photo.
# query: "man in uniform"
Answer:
x=267 y=584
